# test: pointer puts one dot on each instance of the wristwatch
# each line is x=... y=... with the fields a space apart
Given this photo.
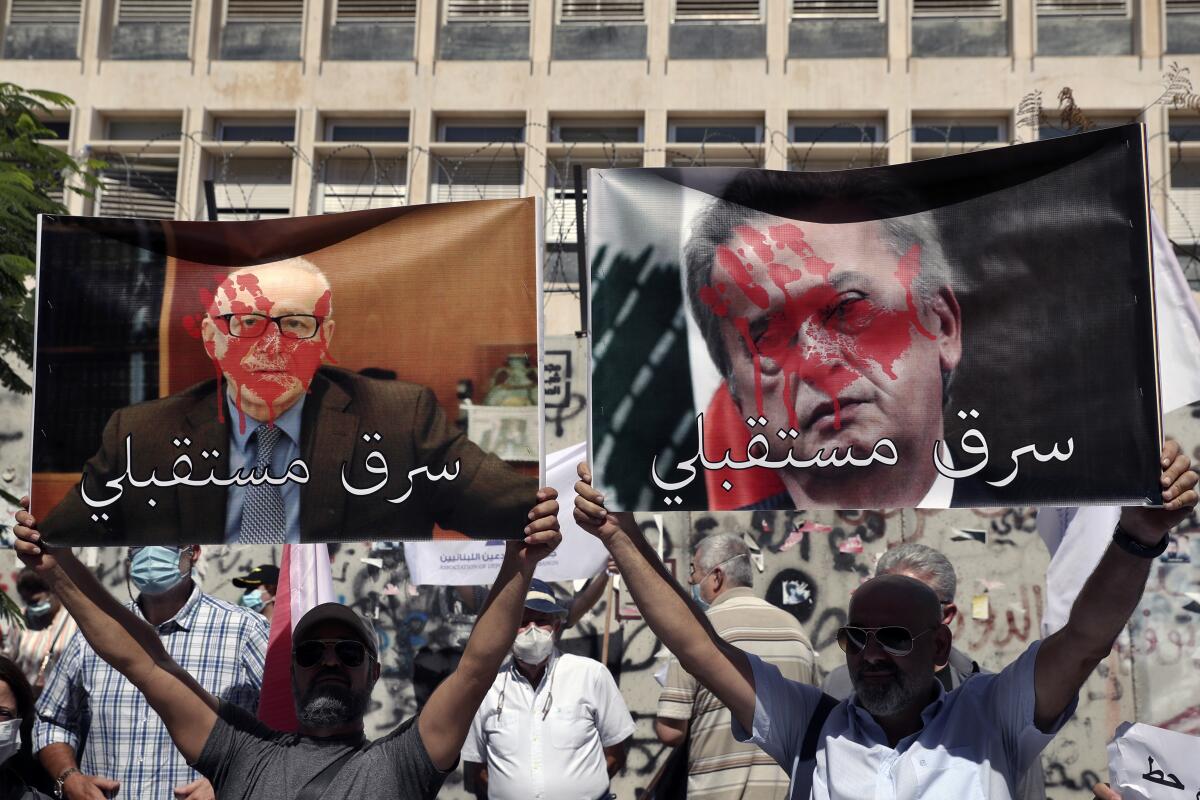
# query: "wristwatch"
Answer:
x=1135 y=548
x=62 y=778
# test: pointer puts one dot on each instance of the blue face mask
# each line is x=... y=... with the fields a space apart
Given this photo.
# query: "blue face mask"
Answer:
x=155 y=570
x=696 y=597
x=253 y=600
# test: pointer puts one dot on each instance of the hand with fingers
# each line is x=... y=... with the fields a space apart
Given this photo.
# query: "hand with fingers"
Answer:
x=199 y=789
x=81 y=786
x=1179 y=497
x=590 y=512
x=28 y=545
x=542 y=534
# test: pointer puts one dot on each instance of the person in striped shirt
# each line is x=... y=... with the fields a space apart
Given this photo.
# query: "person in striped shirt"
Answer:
x=719 y=767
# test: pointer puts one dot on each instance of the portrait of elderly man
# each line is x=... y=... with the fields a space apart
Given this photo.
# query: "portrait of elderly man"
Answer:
x=379 y=458
x=838 y=325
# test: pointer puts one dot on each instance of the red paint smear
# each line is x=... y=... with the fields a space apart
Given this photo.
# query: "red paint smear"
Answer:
x=740 y=274
x=757 y=241
x=713 y=300
x=842 y=346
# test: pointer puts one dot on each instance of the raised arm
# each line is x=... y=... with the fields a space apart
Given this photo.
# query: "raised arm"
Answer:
x=447 y=715
x=1110 y=595
x=129 y=644
x=670 y=613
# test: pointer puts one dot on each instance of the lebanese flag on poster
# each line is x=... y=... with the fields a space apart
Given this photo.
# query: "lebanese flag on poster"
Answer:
x=305 y=581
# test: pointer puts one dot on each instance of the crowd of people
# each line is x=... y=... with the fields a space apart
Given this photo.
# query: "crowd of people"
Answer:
x=156 y=697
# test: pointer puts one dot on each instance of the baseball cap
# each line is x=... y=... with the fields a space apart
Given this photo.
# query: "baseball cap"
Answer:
x=541 y=598
x=262 y=574
x=363 y=630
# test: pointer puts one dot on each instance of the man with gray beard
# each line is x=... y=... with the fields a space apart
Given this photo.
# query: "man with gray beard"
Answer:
x=335 y=663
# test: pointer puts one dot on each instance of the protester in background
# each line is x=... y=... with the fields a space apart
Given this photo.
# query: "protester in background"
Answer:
x=902 y=734
x=335 y=664
x=932 y=568
x=554 y=725
x=454 y=607
x=21 y=777
x=261 y=585
x=719 y=767
x=126 y=746
x=48 y=628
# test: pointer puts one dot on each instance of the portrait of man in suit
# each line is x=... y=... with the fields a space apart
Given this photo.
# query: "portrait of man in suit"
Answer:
x=280 y=446
x=838 y=335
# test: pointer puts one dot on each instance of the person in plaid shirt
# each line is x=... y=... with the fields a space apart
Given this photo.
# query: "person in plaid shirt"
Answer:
x=126 y=747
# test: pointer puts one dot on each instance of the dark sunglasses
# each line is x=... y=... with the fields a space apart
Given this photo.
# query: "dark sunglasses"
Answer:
x=894 y=639
x=348 y=651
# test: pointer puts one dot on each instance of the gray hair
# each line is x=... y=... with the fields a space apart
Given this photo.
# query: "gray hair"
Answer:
x=298 y=262
x=728 y=551
x=918 y=559
x=828 y=196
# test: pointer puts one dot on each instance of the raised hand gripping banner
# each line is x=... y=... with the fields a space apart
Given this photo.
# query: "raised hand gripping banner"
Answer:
x=976 y=330
x=291 y=380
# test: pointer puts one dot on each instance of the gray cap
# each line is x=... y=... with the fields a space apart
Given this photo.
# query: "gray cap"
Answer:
x=336 y=612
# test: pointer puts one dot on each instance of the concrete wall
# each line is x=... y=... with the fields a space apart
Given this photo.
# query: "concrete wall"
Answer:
x=148 y=41
x=465 y=41
x=702 y=39
x=948 y=37
x=1183 y=33
x=41 y=40
x=260 y=41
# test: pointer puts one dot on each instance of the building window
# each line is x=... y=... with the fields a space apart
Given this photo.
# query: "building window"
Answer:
x=1084 y=8
x=601 y=132
x=375 y=11
x=42 y=29
x=356 y=184
x=481 y=132
x=837 y=131
x=837 y=9
x=715 y=133
x=486 y=10
x=264 y=10
x=249 y=131
x=475 y=179
x=958 y=8
x=138 y=11
x=253 y=188
x=570 y=11
x=366 y=130
x=143 y=130
x=718 y=11
x=61 y=128
x=1180 y=132
x=137 y=187
x=966 y=132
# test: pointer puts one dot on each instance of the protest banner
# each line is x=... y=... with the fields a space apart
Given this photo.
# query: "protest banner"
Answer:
x=1144 y=760
x=460 y=562
x=291 y=380
x=976 y=330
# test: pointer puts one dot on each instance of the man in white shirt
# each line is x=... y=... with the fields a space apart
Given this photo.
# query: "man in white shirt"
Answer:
x=901 y=735
x=554 y=725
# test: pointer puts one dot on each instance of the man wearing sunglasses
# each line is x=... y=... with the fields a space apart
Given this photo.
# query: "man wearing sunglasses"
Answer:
x=274 y=401
x=334 y=665
x=902 y=735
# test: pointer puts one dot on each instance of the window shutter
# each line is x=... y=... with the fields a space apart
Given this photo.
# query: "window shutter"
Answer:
x=602 y=10
x=357 y=184
x=686 y=10
x=1091 y=8
x=154 y=11
x=477 y=180
x=1183 y=6
x=368 y=10
x=254 y=189
x=487 y=10
x=861 y=9
x=44 y=11
x=138 y=190
x=264 y=10
x=958 y=8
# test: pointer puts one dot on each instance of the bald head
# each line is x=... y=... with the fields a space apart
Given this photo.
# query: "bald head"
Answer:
x=895 y=600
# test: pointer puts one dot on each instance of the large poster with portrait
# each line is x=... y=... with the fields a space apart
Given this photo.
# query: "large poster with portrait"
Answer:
x=287 y=380
x=976 y=330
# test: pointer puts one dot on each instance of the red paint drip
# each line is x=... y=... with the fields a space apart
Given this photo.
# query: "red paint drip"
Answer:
x=737 y=270
x=907 y=269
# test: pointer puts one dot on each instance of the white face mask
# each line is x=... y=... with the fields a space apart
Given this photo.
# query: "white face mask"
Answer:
x=533 y=645
x=10 y=739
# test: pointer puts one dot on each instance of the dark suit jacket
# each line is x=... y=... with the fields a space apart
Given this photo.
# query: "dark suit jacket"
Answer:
x=342 y=414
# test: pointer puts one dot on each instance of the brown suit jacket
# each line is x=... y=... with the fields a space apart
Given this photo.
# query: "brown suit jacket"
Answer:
x=342 y=415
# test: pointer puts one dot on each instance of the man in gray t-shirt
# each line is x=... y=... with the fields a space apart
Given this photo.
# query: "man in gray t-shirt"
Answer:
x=244 y=758
x=335 y=664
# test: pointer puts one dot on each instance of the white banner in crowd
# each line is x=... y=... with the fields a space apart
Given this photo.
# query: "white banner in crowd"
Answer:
x=1144 y=760
x=472 y=563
